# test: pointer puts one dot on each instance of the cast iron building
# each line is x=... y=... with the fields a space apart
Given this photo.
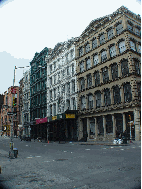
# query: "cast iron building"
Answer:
x=62 y=92
x=109 y=76
x=38 y=95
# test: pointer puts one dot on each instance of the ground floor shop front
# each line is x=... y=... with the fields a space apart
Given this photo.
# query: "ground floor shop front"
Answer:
x=105 y=126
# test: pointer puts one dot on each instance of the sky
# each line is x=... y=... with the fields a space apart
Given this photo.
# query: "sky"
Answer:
x=28 y=26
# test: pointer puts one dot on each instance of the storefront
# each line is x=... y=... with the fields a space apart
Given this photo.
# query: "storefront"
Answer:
x=63 y=127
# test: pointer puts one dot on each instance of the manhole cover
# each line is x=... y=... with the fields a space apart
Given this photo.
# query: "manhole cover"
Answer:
x=61 y=159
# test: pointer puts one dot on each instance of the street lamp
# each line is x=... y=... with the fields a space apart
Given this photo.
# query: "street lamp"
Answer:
x=11 y=153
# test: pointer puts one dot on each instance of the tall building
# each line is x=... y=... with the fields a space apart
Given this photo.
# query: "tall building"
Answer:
x=109 y=77
x=38 y=94
x=26 y=103
x=1 y=103
x=10 y=100
x=62 y=92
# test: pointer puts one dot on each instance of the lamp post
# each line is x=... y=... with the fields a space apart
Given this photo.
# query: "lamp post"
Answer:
x=11 y=153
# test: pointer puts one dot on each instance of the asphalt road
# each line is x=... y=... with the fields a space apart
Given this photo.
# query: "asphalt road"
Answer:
x=70 y=166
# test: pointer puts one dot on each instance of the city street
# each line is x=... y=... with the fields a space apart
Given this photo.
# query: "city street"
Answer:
x=70 y=166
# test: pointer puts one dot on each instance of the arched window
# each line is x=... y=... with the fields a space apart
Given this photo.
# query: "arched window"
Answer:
x=83 y=102
x=90 y=101
x=95 y=59
x=124 y=67
x=80 y=51
x=110 y=33
x=116 y=94
x=102 y=39
x=89 y=80
x=105 y=74
x=137 y=67
x=122 y=47
x=94 y=43
x=98 y=99
x=114 y=71
x=82 y=66
x=107 y=99
x=88 y=63
x=97 y=78
x=87 y=47
x=127 y=92
x=103 y=55
x=112 y=51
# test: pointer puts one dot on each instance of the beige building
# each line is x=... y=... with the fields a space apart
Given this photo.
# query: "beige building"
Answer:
x=108 y=55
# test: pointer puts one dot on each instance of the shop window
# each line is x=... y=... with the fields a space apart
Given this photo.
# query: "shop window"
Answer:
x=88 y=63
x=109 y=124
x=80 y=51
x=82 y=83
x=112 y=51
x=90 y=101
x=110 y=34
x=89 y=80
x=94 y=43
x=98 y=99
x=95 y=59
x=122 y=47
x=102 y=39
x=133 y=45
x=124 y=68
x=81 y=66
x=105 y=74
x=119 y=28
x=97 y=78
x=83 y=102
x=92 y=126
x=103 y=55
x=127 y=93
x=116 y=94
x=107 y=99
x=114 y=71
x=87 y=47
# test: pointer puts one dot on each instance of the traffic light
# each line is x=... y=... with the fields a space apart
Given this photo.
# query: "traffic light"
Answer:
x=130 y=117
x=14 y=101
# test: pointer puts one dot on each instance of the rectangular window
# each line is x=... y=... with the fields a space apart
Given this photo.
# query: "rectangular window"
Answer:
x=68 y=70
x=72 y=54
x=124 y=68
x=97 y=78
x=94 y=43
x=50 y=95
x=54 y=93
x=105 y=75
x=73 y=104
x=119 y=28
x=112 y=51
x=114 y=71
x=96 y=59
x=137 y=31
x=54 y=109
x=83 y=103
x=89 y=80
x=110 y=34
x=98 y=100
x=87 y=48
x=50 y=69
x=102 y=39
x=72 y=69
x=73 y=86
x=90 y=101
x=130 y=27
x=82 y=83
x=132 y=45
x=81 y=51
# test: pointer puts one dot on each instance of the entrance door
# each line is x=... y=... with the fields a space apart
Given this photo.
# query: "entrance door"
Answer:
x=84 y=129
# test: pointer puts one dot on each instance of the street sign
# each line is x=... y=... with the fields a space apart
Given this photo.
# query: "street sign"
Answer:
x=9 y=113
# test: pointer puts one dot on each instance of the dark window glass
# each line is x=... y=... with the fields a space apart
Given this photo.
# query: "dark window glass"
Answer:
x=81 y=51
x=90 y=101
x=105 y=75
x=137 y=31
x=127 y=93
x=103 y=56
x=132 y=45
x=112 y=51
x=89 y=80
x=83 y=102
x=122 y=47
x=137 y=67
x=116 y=95
x=114 y=71
x=109 y=124
x=82 y=83
x=87 y=48
x=124 y=68
x=88 y=63
x=96 y=59
x=97 y=78
x=107 y=99
x=81 y=66
x=98 y=99
x=139 y=90
x=130 y=27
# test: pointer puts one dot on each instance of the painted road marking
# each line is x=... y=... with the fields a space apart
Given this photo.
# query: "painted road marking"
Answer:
x=87 y=149
x=26 y=145
x=65 y=151
x=37 y=156
x=112 y=147
x=121 y=149
x=29 y=157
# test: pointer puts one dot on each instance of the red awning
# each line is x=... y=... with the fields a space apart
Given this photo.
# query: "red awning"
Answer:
x=42 y=120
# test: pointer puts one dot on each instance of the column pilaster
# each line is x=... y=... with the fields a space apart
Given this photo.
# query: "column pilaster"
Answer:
x=96 y=128
x=137 y=123
x=104 y=125
x=88 y=128
x=124 y=122
x=122 y=94
x=114 y=126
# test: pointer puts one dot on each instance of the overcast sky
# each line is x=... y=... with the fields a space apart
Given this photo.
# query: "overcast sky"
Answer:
x=28 y=26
